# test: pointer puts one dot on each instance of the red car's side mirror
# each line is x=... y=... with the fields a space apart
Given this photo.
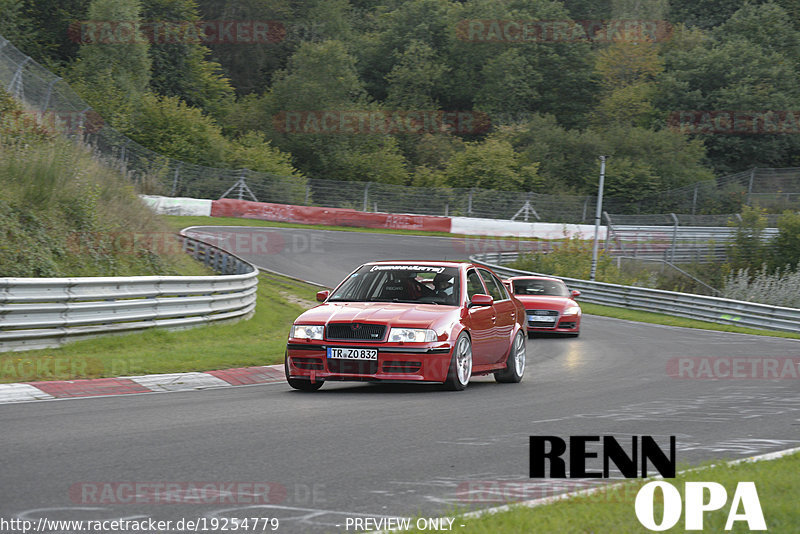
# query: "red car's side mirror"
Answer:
x=480 y=299
x=322 y=295
x=575 y=293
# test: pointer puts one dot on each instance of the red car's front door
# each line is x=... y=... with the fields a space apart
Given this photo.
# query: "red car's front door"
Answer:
x=505 y=315
x=482 y=323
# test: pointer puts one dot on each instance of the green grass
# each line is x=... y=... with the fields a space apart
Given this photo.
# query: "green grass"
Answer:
x=261 y=340
x=179 y=222
x=612 y=510
x=670 y=320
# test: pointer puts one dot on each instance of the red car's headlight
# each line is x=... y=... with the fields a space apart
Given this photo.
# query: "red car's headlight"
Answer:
x=572 y=310
x=306 y=331
x=411 y=335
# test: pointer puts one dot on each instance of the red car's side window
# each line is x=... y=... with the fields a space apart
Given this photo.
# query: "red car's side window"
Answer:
x=474 y=285
x=496 y=292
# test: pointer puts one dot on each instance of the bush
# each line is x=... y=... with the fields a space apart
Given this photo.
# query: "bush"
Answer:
x=572 y=258
x=779 y=288
x=786 y=246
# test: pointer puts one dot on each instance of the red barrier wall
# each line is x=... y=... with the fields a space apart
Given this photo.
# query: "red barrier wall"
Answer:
x=265 y=211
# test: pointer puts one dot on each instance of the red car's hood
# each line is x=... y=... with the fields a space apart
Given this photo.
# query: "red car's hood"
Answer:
x=394 y=313
x=544 y=302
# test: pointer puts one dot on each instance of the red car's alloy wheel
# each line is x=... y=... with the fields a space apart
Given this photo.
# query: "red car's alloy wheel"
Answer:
x=515 y=364
x=460 y=364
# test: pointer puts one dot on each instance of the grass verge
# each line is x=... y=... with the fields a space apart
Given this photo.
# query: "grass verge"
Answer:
x=258 y=341
x=612 y=510
x=671 y=320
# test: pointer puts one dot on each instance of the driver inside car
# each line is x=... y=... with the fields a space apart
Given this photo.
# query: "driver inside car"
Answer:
x=443 y=286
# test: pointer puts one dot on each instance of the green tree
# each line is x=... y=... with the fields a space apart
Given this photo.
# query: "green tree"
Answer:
x=509 y=86
x=181 y=68
x=703 y=13
x=731 y=72
x=568 y=158
x=627 y=71
x=169 y=125
x=250 y=67
x=17 y=27
x=317 y=76
x=254 y=152
x=113 y=76
x=413 y=80
x=51 y=39
x=491 y=164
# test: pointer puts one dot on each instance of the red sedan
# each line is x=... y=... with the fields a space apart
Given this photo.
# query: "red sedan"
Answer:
x=413 y=322
x=549 y=305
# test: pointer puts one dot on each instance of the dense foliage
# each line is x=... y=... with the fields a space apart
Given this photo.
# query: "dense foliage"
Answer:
x=553 y=106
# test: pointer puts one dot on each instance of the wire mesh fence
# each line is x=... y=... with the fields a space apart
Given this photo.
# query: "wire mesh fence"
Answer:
x=51 y=100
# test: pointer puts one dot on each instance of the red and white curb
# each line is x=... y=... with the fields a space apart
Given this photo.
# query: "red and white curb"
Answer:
x=125 y=385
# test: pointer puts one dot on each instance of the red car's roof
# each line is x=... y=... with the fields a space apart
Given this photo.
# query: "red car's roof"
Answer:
x=422 y=262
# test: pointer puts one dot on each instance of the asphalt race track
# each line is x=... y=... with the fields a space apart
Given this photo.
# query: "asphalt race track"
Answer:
x=361 y=450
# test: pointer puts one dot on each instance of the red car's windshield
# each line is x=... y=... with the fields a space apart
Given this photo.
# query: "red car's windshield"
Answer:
x=422 y=284
x=550 y=288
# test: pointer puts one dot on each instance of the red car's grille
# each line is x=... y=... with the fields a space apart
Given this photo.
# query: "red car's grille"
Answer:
x=537 y=318
x=355 y=331
x=309 y=364
x=401 y=367
x=352 y=367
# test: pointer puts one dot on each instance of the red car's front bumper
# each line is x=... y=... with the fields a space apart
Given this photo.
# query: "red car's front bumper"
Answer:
x=426 y=362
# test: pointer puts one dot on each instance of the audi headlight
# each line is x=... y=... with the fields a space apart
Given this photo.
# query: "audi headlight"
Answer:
x=572 y=310
x=307 y=331
x=411 y=335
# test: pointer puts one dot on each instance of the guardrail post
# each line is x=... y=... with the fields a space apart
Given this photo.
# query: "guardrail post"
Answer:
x=694 y=198
x=469 y=203
x=366 y=193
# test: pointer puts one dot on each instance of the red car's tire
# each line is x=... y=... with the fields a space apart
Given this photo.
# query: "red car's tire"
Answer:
x=460 y=364
x=515 y=362
x=300 y=383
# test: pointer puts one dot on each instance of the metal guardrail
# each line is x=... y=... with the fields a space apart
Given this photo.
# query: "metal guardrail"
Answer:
x=713 y=309
x=719 y=234
x=47 y=312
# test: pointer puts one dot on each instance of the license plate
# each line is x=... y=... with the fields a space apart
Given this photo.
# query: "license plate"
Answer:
x=352 y=354
x=543 y=318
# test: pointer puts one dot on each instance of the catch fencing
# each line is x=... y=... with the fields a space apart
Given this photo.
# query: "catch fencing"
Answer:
x=705 y=308
x=47 y=312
